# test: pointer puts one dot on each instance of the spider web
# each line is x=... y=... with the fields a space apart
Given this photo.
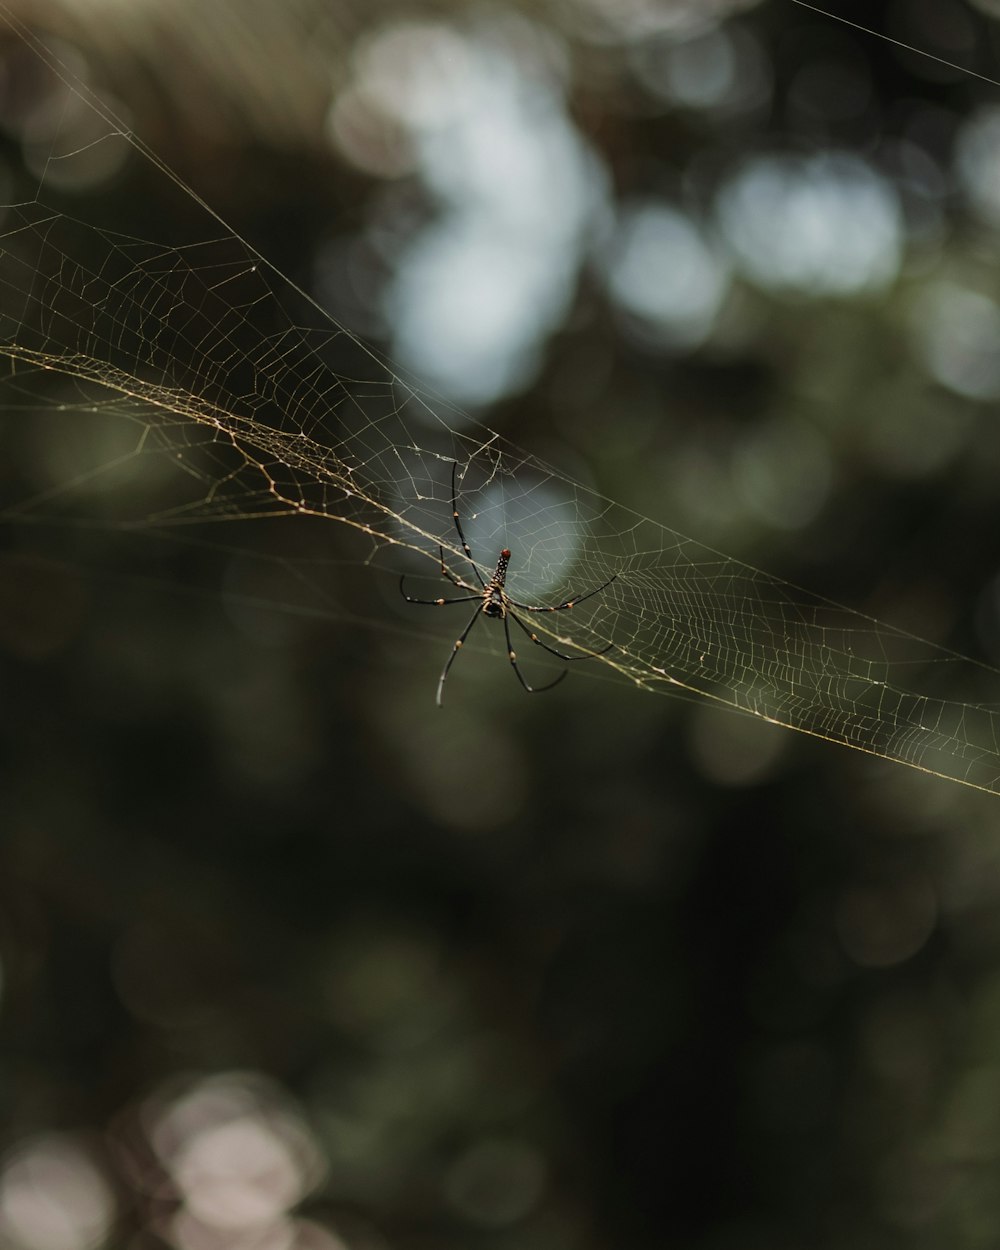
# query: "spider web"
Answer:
x=194 y=384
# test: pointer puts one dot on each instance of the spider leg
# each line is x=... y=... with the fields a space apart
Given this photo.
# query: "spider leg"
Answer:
x=520 y=676
x=455 y=650
x=587 y=655
x=458 y=525
x=569 y=603
x=438 y=602
x=455 y=581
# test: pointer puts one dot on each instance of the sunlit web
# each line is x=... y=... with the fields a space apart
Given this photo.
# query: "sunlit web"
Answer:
x=209 y=388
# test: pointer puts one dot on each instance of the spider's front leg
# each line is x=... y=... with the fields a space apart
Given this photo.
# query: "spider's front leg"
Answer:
x=455 y=581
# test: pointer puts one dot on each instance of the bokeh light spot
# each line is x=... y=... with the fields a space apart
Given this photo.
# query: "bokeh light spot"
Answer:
x=735 y=750
x=977 y=162
x=879 y=927
x=819 y=225
x=663 y=270
x=722 y=67
x=956 y=335
x=54 y=1196
x=385 y=985
x=784 y=472
x=480 y=119
x=237 y=1151
x=496 y=1182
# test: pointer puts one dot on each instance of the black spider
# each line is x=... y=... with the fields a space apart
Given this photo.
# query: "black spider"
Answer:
x=494 y=601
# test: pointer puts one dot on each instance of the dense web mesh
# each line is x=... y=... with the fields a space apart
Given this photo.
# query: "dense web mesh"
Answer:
x=202 y=386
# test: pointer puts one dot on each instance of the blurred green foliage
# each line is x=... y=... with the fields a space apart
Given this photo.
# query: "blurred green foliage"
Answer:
x=290 y=958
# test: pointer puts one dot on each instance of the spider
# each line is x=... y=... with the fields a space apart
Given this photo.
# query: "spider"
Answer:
x=494 y=601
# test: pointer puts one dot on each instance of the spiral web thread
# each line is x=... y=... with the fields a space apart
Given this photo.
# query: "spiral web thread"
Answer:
x=194 y=384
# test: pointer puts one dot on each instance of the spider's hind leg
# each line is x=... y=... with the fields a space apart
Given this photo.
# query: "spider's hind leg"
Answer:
x=587 y=655
x=454 y=652
x=511 y=655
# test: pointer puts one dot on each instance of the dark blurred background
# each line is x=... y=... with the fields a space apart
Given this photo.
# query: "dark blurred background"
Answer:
x=292 y=960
